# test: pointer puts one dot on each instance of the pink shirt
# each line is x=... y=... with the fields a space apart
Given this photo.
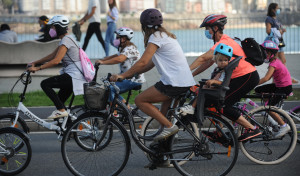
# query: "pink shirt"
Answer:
x=281 y=75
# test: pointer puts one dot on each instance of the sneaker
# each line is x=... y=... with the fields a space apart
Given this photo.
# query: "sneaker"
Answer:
x=187 y=109
x=215 y=137
x=167 y=132
x=294 y=81
x=57 y=114
x=249 y=133
x=282 y=131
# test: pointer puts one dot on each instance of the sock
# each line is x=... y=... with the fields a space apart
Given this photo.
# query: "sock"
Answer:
x=284 y=125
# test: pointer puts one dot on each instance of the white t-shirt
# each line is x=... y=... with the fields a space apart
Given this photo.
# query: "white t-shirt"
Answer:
x=133 y=55
x=96 y=16
x=170 y=61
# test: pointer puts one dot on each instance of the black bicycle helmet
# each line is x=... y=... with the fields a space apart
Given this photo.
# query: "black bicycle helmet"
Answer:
x=151 y=17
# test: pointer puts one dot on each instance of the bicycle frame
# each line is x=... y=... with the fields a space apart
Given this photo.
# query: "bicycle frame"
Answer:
x=135 y=135
x=22 y=108
x=33 y=117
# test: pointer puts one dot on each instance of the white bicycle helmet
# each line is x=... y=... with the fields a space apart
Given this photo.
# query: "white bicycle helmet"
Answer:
x=60 y=20
x=125 y=31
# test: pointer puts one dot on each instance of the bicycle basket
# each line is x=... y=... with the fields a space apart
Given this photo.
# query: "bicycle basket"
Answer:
x=95 y=96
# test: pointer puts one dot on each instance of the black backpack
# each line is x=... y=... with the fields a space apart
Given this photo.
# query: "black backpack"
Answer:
x=254 y=52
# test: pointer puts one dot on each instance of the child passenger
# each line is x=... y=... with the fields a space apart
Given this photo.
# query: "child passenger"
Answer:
x=222 y=56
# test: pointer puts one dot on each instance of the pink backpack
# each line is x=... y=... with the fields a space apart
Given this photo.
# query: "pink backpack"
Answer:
x=88 y=70
x=87 y=66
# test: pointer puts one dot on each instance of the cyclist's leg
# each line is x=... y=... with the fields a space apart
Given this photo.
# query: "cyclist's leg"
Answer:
x=234 y=94
x=61 y=81
x=126 y=85
x=144 y=102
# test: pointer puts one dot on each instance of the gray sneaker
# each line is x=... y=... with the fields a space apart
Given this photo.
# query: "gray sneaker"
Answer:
x=167 y=132
x=282 y=131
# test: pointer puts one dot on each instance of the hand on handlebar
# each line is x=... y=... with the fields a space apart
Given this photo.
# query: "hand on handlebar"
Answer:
x=33 y=69
x=99 y=62
x=115 y=78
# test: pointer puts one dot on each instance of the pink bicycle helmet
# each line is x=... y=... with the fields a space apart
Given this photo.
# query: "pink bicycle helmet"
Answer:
x=269 y=45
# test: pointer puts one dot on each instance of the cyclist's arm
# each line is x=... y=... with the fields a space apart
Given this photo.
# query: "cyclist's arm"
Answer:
x=143 y=64
x=110 y=60
x=268 y=28
x=202 y=59
x=61 y=52
x=47 y=58
x=268 y=75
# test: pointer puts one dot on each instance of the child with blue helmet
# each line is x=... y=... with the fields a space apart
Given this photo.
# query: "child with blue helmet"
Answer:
x=222 y=56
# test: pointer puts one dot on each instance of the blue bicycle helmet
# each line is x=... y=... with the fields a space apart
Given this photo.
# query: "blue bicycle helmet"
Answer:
x=224 y=49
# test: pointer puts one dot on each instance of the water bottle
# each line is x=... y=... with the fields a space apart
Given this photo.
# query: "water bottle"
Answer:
x=251 y=103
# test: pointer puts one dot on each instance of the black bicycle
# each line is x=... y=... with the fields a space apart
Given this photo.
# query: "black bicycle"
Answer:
x=108 y=138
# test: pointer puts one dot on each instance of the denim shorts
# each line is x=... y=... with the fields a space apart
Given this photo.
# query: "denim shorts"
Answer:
x=169 y=90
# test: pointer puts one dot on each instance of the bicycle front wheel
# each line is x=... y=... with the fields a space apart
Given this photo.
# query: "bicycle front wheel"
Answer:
x=216 y=152
x=108 y=159
x=265 y=148
x=14 y=159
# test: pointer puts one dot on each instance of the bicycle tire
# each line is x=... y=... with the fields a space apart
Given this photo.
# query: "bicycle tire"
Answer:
x=7 y=120
x=265 y=149
x=211 y=157
x=85 y=141
x=85 y=162
x=297 y=122
x=152 y=127
x=19 y=158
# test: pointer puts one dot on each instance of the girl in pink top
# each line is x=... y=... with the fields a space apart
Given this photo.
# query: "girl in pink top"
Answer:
x=282 y=83
x=277 y=70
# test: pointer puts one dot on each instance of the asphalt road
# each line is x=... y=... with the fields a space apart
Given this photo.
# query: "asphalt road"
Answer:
x=47 y=161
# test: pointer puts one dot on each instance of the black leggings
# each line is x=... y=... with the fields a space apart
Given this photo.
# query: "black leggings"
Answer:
x=239 y=87
x=64 y=83
x=271 y=88
x=93 y=28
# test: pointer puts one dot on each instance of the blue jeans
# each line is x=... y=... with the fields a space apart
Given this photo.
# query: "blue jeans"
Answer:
x=124 y=86
x=109 y=36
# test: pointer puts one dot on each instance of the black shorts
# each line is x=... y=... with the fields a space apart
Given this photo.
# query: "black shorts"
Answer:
x=169 y=90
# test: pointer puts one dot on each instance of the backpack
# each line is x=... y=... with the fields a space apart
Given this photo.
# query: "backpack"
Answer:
x=254 y=52
x=88 y=70
x=87 y=66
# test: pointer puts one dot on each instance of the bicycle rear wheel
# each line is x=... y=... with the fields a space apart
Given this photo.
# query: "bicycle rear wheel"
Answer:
x=296 y=112
x=216 y=154
x=265 y=149
x=152 y=127
x=14 y=159
x=109 y=159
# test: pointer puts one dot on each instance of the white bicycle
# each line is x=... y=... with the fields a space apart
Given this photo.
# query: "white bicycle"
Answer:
x=15 y=119
x=15 y=151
